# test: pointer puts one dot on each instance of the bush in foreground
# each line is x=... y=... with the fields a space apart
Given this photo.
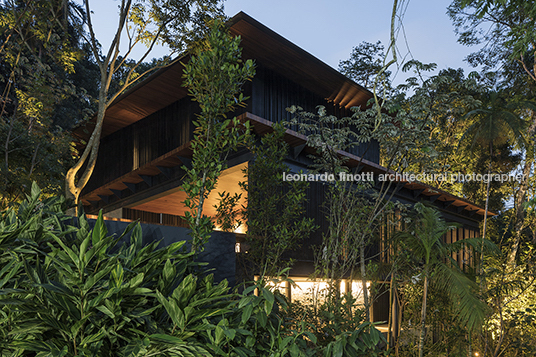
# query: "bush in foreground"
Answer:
x=68 y=290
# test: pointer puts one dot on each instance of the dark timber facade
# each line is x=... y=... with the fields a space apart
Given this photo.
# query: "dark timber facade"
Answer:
x=146 y=135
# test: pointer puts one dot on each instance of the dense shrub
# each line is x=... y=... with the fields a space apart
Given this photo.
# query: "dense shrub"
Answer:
x=68 y=290
x=338 y=324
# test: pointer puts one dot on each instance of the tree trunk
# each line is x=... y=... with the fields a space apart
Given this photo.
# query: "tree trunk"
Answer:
x=196 y=241
x=502 y=331
x=423 y=313
x=521 y=196
x=364 y=280
x=470 y=347
x=485 y=224
x=485 y=218
x=391 y=314
x=394 y=322
x=73 y=188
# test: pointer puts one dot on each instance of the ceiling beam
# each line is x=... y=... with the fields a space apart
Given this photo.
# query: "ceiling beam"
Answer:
x=434 y=198
x=131 y=186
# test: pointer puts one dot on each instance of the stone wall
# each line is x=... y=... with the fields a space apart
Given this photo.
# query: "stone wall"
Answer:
x=219 y=252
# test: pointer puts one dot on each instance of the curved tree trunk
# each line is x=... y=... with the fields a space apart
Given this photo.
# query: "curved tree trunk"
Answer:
x=73 y=188
x=485 y=220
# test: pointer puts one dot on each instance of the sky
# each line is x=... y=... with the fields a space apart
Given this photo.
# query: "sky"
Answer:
x=330 y=29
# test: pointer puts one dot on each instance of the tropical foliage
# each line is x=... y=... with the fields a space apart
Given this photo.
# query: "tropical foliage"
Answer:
x=214 y=77
x=68 y=288
x=274 y=210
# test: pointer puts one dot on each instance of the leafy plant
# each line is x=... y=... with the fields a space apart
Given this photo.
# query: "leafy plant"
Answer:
x=214 y=77
x=262 y=327
x=364 y=341
x=227 y=214
x=147 y=22
x=275 y=209
x=70 y=290
x=327 y=314
x=424 y=240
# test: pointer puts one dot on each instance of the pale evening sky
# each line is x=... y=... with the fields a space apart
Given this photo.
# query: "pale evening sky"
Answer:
x=330 y=29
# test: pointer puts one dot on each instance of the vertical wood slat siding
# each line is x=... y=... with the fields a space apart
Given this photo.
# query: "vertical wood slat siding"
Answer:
x=464 y=257
x=139 y=143
x=273 y=93
x=143 y=141
x=314 y=208
x=155 y=218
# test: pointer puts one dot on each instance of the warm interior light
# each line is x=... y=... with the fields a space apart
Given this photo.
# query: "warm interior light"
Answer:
x=315 y=290
x=308 y=290
x=240 y=229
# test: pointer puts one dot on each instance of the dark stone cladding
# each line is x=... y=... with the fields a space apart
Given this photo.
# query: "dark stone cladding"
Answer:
x=219 y=253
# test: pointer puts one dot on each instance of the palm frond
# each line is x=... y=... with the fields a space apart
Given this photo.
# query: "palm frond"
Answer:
x=471 y=310
x=476 y=244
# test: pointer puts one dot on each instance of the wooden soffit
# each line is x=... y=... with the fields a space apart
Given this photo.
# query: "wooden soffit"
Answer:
x=262 y=127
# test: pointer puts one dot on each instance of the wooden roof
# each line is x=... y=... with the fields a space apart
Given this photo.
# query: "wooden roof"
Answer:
x=259 y=43
x=262 y=126
x=279 y=54
x=419 y=190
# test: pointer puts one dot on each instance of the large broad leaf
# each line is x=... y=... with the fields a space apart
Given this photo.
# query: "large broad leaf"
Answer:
x=269 y=303
x=11 y=268
x=99 y=231
x=54 y=351
x=57 y=287
x=185 y=290
x=246 y=313
x=168 y=339
x=34 y=326
x=106 y=311
x=27 y=345
x=172 y=309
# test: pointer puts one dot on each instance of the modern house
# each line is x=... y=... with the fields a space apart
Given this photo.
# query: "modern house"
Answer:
x=146 y=135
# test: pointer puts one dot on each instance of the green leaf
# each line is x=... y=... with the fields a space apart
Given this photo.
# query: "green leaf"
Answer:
x=245 y=300
x=338 y=349
x=171 y=340
x=35 y=191
x=106 y=311
x=218 y=335
x=269 y=303
x=57 y=287
x=262 y=318
x=94 y=337
x=137 y=280
x=99 y=230
x=295 y=351
x=171 y=308
x=83 y=248
x=283 y=344
x=246 y=313
x=31 y=326
x=11 y=268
